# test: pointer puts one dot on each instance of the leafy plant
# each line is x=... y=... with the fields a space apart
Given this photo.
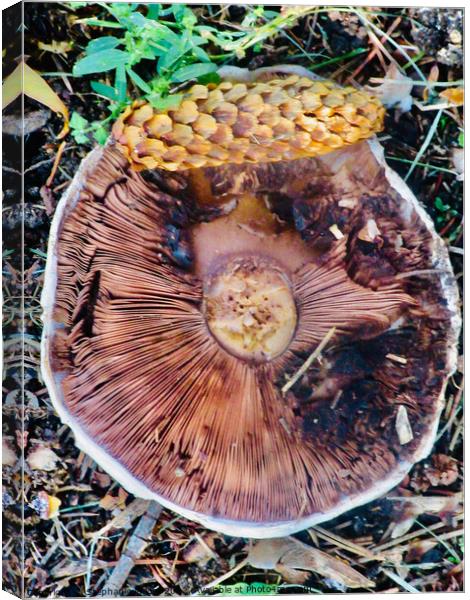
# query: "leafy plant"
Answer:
x=153 y=49
x=445 y=211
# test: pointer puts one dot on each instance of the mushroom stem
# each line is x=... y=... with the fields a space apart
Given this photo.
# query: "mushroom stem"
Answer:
x=307 y=364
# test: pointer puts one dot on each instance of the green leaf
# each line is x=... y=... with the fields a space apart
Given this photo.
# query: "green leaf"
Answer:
x=137 y=79
x=153 y=11
x=193 y=71
x=166 y=103
x=104 y=90
x=461 y=139
x=201 y=54
x=99 y=62
x=80 y=137
x=136 y=19
x=78 y=122
x=78 y=127
x=101 y=135
x=34 y=251
x=120 y=83
x=103 y=43
x=209 y=78
x=169 y=58
x=439 y=204
x=122 y=9
x=184 y=15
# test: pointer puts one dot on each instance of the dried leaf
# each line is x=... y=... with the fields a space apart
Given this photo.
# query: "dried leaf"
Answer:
x=42 y=458
x=11 y=87
x=75 y=568
x=412 y=507
x=26 y=80
x=454 y=96
x=402 y=527
x=288 y=554
x=395 y=89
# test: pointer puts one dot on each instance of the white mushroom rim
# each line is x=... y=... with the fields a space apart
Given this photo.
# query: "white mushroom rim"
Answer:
x=238 y=528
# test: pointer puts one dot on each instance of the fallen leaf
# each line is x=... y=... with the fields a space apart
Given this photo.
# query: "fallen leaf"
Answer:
x=454 y=96
x=75 y=568
x=25 y=79
x=395 y=89
x=42 y=458
x=288 y=555
x=411 y=507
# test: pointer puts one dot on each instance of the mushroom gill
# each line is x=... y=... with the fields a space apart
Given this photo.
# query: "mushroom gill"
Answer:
x=177 y=306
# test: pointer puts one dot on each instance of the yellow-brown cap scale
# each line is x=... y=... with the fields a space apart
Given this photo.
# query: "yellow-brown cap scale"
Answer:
x=280 y=119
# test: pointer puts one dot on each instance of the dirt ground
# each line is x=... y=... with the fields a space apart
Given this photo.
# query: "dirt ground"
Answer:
x=72 y=553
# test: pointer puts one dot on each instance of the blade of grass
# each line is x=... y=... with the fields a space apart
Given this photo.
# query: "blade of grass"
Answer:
x=420 y=164
x=425 y=144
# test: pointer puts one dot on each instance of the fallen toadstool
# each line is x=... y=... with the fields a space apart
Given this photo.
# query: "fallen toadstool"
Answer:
x=248 y=316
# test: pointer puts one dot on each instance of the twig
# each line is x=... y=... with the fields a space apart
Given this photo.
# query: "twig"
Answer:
x=309 y=361
x=135 y=546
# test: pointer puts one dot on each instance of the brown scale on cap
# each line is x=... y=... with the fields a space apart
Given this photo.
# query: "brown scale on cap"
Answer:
x=185 y=302
x=279 y=119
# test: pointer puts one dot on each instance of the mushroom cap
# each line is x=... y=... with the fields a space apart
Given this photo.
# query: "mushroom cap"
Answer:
x=134 y=365
x=248 y=123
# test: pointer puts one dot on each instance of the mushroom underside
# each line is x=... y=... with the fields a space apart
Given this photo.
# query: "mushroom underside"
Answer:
x=185 y=388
